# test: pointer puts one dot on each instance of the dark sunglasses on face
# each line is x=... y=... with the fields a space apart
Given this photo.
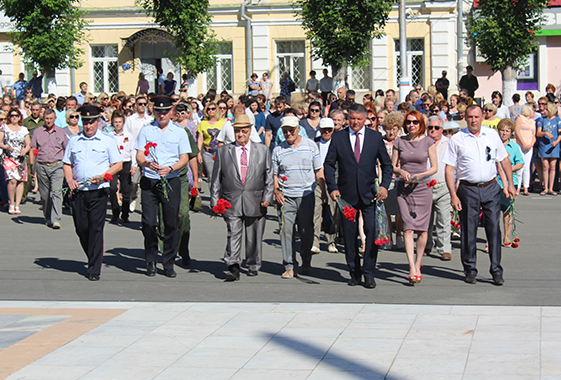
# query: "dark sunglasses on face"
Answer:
x=542 y=104
x=14 y=115
x=141 y=104
x=212 y=108
x=2 y=119
x=106 y=98
x=222 y=108
x=314 y=110
x=435 y=127
x=74 y=117
x=414 y=122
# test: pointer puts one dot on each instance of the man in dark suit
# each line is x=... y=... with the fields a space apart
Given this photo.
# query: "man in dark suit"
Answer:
x=243 y=175
x=356 y=152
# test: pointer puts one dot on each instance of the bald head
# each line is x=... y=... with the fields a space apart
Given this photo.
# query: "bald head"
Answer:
x=341 y=93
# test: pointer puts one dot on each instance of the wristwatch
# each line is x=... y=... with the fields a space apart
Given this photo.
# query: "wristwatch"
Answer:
x=170 y=169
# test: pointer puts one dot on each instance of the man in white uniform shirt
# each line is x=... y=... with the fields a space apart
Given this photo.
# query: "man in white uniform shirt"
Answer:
x=440 y=217
x=133 y=125
x=474 y=154
x=325 y=86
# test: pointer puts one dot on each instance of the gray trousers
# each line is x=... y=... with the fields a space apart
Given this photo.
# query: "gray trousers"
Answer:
x=488 y=198
x=135 y=180
x=318 y=208
x=50 y=179
x=299 y=210
x=208 y=162
x=440 y=221
x=254 y=228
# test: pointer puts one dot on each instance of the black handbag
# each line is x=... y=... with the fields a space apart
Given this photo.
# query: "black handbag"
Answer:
x=328 y=224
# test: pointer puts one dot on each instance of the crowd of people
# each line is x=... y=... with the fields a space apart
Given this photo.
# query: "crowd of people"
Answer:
x=429 y=161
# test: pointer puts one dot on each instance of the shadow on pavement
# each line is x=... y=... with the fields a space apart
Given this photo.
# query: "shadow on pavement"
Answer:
x=127 y=259
x=349 y=367
x=31 y=219
x=62 y=265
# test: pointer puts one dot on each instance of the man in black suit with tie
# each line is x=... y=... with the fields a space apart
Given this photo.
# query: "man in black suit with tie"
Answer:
x=356 y=152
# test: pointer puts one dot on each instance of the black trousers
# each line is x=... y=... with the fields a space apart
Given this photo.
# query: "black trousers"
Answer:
x=124 y=176
x=350 y=230
x=471 y=198
x=325 y=97
x=152 y=197
x=88 y=212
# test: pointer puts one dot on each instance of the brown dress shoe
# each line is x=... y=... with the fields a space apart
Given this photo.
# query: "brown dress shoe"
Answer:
x=446 y=256
x=470 y=278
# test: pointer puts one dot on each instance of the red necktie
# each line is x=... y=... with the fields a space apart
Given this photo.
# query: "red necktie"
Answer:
x=357 y=147
x=243 y=163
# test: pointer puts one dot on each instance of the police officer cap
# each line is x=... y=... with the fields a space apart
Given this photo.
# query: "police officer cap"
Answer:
x=162 y=103
x=89 y=112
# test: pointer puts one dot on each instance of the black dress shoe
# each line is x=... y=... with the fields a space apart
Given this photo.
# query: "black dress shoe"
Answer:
x=369 y=283
x=233 y=273
x=470 y=278
x=353 y=282
x=252 y=273
x=114 y=219
x=125 y=220
x=498 y=279
x=170 y=273
x=93 y=277
x=185 y=261
x=151 y=269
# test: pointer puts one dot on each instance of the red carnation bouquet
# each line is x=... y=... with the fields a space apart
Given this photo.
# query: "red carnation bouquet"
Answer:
x=383 y=230
x=163 y=184
x=431 y=183
x=221 y=206
x=347 y=209
x=35 y=152
x=194 y=192
x=105 y=178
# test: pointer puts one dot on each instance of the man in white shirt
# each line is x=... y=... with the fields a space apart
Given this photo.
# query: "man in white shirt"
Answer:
x=227 y=134
x=440 y=217
x=325 y=86
x=474 y=154
x=133 y=125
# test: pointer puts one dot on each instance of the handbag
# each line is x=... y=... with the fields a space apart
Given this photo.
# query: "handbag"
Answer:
x=328 y=224
x=195 y=203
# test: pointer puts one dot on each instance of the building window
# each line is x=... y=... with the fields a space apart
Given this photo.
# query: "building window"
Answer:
x=291 y=59
x=527 y=76
x=415 y=52
x=105 y=62
x=359 y=78
x=220 y=77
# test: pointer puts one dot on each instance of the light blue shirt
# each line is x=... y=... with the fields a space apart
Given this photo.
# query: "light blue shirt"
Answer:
x=172 y=143
x=91 y=157
x=80 y=98
x=298 y=165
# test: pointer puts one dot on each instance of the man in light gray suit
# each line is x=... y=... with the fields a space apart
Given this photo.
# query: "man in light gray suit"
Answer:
x=243 y=175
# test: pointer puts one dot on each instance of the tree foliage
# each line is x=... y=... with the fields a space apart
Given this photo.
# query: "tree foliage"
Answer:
x=341 y=30
x=188 y=21
x=48 y=32
x=505 y=31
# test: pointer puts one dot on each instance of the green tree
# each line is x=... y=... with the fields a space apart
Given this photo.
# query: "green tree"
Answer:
x=505 y=34
x=340 y=31
x=47 y=32
x=188 y=21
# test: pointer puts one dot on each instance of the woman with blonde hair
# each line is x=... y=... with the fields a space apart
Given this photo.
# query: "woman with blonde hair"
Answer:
x=72 y=127
x=103 y=99
x=489 y=111
x=208 y=131
x=549 y=136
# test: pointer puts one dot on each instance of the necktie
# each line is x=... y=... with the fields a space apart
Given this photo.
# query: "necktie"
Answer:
x=357 y=147
x=243 y=163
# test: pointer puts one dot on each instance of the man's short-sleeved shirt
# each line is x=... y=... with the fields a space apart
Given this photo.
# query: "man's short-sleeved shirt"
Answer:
x=298 y=165
x=171 y=143
x=91 y=157
x=19 y=88
x=50 y=144
x=273 y=123
x=475 y=157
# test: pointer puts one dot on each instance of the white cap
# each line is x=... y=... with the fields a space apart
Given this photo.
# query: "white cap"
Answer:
x=326 y=122
x=290 y=121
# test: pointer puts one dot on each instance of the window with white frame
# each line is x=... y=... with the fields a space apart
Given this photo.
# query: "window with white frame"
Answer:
x=220 y=77
x=415 y=57
x=359 y=78
x=291 y=56
x=105 y=68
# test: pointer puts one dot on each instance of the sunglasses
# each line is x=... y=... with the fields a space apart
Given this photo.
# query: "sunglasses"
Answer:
x=435 y=127
x=488 y=110
x=288 y=131
x=414 y=122
x=488 y=153
x=2 y=119
x=212 y=108
x=222 y=108
x=14 y=115
x=141 y=104
x=314 y=110
x=105 y=98
x=542 y=104
x=74 y=117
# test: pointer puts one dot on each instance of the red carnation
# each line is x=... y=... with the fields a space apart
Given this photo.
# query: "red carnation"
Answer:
x=194 y=192
x=213 y=158
x=35 y=152
x=284 y=178
x=221 y=206
x=121 y=147
x=514 y=245
x=107 y=177
x=516 y=240
x=377 y=242
x=146 y=152
x=154 y=145
x=349 y=213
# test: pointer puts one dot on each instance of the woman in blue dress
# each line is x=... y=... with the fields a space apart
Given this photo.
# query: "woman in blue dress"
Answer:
x=549 y=136
x=285 y=87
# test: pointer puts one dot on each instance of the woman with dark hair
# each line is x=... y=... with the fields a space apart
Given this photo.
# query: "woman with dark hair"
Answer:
x=311 y=123
x=502 y=110
x=257 y=111
x=223 y=108
x=414 y=197
x=380 y=92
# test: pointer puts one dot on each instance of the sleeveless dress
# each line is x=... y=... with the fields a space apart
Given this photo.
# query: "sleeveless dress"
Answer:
x=552 y=126
x=15 y=166
x=414 y=199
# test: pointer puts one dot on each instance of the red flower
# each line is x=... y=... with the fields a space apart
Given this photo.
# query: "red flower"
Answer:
x=150 y=145
x=284 y=178
x=121 y=147
x=516 y=240
x=452 y=223
x=213 y=158
x=349 y=213
x=194 y=192
x=146 y=152
x=107 y=177
x=35 y=152
x=514 y=245
x=221 y=206
x=377 y=242
x=432 y=183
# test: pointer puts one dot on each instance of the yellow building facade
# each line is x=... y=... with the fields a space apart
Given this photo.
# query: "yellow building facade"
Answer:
x=123 y=42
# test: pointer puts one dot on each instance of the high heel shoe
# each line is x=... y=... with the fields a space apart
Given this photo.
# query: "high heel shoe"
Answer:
x=12 y=209
x=412 y=280
x=419 y=278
